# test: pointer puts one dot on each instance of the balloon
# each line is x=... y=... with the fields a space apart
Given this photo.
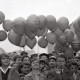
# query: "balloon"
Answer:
x=33 y=23
x=58 y=32
x=42 y=32
x=42 y=42
x=43 y=22
x=63 y=23
x=14 y=38
x=19 y=25
x=62 y=39
x=51 y=23
x=59 y=48
x=69 y=35
x=75 y=44
x=29 y=34
x=76 y=26
x=31 y=42
x=23 y=41
x=7 y=25
x=2 y=17
x=3 y=35
x=51 y=38
x=69 y=52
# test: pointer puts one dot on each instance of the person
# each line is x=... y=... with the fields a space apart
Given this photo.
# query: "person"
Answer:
x=44 y=56
x=52 y=62
x=25 y=69
x=25 y=59
x=35 y=74
x=6 y=72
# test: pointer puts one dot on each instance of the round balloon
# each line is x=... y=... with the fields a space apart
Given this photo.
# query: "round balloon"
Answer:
x=75 y=44
x=19 y=25
x=14 y=38
x=33 y=23
x=59 y=48
x=69 y=52
x=43 y=22
x=2 y=17
x=3 y=35
x=58 y=32
x=51 y=23
x=63 y=23
x=7 y=25
x=31 y=42
x=29 y=34
x=51 y=38
x=69 y=35
x=42 y=42
x=62 y=39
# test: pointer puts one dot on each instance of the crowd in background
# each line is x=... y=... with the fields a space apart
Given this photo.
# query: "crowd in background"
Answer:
x=52 y=66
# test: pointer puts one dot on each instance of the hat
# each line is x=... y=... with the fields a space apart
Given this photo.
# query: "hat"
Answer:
x=42 y=61
x=53 y=57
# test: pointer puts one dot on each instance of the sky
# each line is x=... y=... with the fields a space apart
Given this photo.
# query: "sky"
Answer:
x=24 y=8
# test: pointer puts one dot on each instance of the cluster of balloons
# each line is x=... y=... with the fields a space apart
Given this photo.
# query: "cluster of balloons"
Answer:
x=23 y=32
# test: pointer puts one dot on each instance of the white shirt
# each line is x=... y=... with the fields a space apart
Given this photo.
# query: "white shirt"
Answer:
x=4 y=71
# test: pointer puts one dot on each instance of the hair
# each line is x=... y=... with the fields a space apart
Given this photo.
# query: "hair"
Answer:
x=15 y=57
x=23 y=52
x=62 y=56
x=43 y=54
x=3 y=55
x=24 y=57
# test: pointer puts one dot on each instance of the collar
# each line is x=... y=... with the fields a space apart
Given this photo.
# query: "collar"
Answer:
x=4 y=71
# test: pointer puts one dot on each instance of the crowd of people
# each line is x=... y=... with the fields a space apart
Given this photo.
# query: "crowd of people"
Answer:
x=52 y=66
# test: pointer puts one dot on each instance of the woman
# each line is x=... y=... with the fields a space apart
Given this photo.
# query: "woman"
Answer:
x=6 y=72
x=35 y=73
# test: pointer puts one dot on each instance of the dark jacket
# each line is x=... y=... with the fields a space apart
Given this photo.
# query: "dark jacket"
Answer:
x=13 y=75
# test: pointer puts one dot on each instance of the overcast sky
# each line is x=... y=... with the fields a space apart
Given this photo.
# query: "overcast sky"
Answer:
x=23 y=8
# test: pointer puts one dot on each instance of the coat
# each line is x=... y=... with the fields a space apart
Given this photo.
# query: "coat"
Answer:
x=13 y=75
x=30 y=76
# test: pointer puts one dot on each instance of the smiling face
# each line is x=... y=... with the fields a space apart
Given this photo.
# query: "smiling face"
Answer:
x=5 y=61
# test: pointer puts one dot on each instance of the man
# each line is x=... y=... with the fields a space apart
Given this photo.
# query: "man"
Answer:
x=6 y=72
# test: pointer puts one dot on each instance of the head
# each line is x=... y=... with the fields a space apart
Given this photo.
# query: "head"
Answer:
x=17 y=59
x=52 y=61
x=61 y=60
x=44 y=56
x=73 y=66
x=34 y=56
x=35 y=64
x=14 y=66
x=4 y=60
x=42 y=63
x=77 y=60
x=25 y=68
x=25 y=59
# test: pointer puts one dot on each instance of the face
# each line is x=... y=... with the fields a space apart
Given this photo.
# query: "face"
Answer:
x=25 y=69
x=44 y=58
x=52 y=62
x=26 y=60
x=5 y=61
x=60 y=61
x=41 y=65
x=35 y=64
x=73 y=68
x=15 y=66
x=18 y=60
